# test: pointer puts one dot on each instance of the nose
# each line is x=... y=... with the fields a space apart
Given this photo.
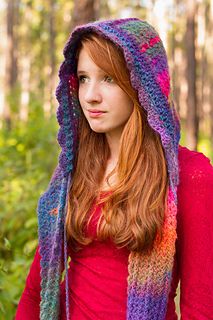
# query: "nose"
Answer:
x=92 y=93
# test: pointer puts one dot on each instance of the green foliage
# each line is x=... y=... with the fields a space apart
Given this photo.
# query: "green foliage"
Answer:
x=205 y=146
x=204 y=143
x=28 y=157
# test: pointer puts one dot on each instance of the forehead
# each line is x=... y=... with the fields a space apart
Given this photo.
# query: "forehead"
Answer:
x=85 y=62
x=84 y=59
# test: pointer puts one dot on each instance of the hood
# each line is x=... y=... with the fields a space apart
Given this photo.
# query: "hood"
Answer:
x=146 y=60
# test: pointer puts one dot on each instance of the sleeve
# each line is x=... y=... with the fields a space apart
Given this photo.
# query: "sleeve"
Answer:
x=28 y=307
x=195 y=239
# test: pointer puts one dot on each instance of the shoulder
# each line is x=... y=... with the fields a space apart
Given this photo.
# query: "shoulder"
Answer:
x=194 y=197
x=194 y=167
x=194 y=255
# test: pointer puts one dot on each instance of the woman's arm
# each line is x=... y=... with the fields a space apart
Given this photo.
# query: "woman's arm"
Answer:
x=28 y=308
x=195 y=238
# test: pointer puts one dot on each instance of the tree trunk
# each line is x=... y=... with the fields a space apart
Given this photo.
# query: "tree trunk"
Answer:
x=52 y=35
x=209 y=46
x=11 y=61
x=3 y=57
x=174 y=61
x=25 y=87
x=85 y=11
x=202 y=64
x=192 y=118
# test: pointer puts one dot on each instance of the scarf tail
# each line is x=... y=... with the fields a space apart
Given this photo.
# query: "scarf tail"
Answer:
x=150 y=275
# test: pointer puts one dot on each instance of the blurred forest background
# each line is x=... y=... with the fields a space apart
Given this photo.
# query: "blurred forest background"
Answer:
x=33 y=34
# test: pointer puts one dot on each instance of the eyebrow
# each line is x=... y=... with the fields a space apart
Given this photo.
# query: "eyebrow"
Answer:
x=86 y=72
x=81 y=71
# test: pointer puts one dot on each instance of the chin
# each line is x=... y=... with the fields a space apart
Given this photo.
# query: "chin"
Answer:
x=97 y=129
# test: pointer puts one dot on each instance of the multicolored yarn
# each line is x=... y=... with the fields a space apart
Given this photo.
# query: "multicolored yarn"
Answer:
x=149 y=274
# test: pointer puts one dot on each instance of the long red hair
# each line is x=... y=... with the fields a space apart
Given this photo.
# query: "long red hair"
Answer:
x=133 y=212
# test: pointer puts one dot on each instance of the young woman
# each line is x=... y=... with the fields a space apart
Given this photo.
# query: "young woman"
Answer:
x=129 y=205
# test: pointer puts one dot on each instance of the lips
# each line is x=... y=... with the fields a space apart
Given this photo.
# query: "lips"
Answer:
x=95 y=113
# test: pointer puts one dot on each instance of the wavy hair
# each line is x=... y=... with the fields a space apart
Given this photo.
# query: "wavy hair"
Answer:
x=132 y=211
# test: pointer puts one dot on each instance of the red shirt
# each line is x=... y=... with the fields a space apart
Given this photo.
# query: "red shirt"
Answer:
x=98 y=273
x=95 y=272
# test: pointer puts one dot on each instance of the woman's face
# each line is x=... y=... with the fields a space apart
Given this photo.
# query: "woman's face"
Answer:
x=105 y=105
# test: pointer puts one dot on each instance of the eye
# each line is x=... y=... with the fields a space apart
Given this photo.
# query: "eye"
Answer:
x=108 y=79
x=82 y=79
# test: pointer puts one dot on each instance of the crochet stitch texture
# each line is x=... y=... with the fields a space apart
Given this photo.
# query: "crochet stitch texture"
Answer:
x=149 y=274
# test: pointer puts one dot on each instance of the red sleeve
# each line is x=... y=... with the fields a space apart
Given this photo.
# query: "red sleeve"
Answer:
x=28 y=307
x=195 y=237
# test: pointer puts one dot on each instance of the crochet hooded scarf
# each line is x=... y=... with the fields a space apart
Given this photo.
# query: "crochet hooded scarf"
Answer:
x=150 y=274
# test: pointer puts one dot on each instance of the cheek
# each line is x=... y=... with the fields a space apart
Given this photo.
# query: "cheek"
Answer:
x=80 y=97
x=127 y=112
x=81 y=102
x=126 y=107
x=125 y=101
x=81 y=92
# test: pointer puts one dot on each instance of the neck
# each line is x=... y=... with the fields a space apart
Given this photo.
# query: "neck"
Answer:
x=114 y=144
